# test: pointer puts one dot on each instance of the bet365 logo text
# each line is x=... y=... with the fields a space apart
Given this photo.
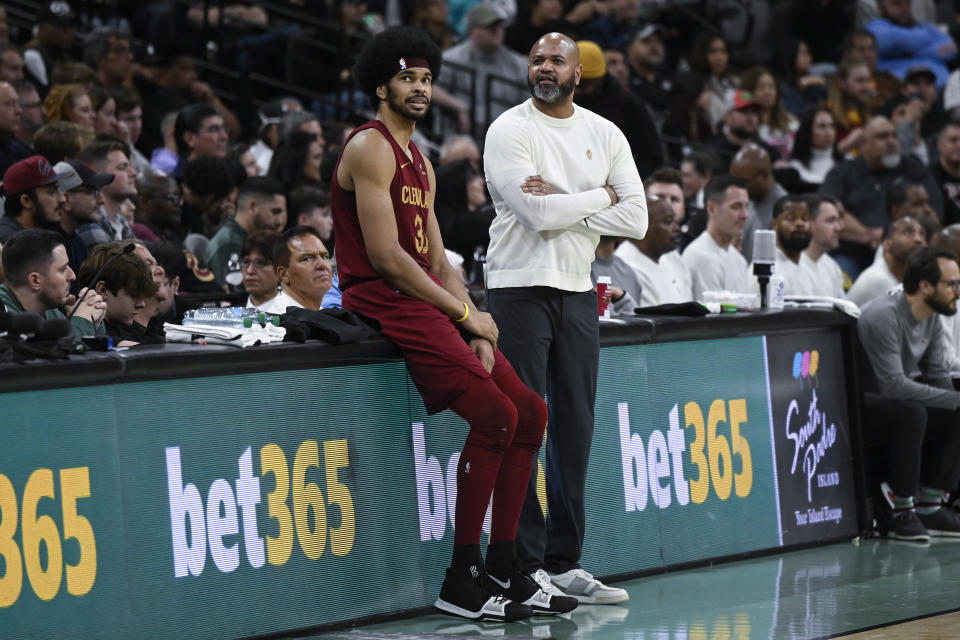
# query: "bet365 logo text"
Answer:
x=715 y=447
x=70 y=553
x=217 y=525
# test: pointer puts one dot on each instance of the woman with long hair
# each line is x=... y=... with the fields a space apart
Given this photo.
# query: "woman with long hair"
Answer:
x=777 y=125
x=464 y=213
x=851 y=91
x=710 y=57
x=297 y=160
x=799 y=89
x=70 y=103
x=687 y=123
x=814 y=148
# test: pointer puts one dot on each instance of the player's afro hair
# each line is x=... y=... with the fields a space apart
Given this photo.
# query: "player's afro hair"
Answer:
x=376 y=64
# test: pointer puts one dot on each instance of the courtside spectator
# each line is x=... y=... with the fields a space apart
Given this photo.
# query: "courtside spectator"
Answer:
x=902 y=238
x=130 y=124
x=268 y=136
x=740 y=127
x=862 y=44
x=70 y=103
x=125 y=284
x=624 y=286
x=11 y=148
x=646 y=54
x=661 y=280
x=37 y=279
x=826 y=223
x=667 y=183
x=31 y=109
x=260 y=279
x=311 y=207
x=860 y=184
x=752 y=165
x=946 y=172
x=815 y=146
x=903 y=43
x=51 y=45
x=905 y=198
x=297 y=161
x=209 y=196
x=713 y=260
x=603 y=95
x=261 y=206
x=109 y=52
x=483 y=51
x=910 y=404
x=58 y=141
x=199 y=131
x=304 y=269
x=11 y=64
x=33 y=199
x=110 y=156
x=791 y=223
x=81 y=188
x=158 y=212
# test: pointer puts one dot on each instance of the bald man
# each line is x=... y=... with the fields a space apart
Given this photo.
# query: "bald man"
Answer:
x=662 y=280
x=752 y=165
x=861 y=184
x=11 y=149
x=901 y=239
x=560 y=177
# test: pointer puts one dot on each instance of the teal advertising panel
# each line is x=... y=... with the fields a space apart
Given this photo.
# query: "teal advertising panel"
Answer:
x=252 y=504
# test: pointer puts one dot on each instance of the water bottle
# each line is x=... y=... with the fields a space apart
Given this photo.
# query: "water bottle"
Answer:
x=234 y=317
x=234 y=275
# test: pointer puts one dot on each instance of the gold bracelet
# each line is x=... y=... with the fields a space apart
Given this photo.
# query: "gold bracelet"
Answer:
x=466 y=313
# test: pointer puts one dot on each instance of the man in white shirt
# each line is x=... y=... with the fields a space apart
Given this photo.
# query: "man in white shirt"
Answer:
x=662 y=281
x=560 y=177
x=791 y=222
x=826 y=223
x=901 y=239
x=714 y=263
x=667 y=183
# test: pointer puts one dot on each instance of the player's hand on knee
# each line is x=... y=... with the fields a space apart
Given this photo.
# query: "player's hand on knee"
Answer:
x=484 y=350
x=481 y=324
x=537 y=186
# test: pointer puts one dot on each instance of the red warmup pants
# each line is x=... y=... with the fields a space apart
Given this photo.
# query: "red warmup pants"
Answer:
x=506 y=419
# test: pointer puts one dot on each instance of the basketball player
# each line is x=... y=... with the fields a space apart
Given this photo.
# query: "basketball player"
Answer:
x=392 y=268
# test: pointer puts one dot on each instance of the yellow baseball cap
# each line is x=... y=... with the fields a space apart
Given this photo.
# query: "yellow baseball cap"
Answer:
x=591 y=57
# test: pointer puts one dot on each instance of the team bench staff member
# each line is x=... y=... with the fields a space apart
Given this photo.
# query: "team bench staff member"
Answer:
x=393 y=268
x=560 y=177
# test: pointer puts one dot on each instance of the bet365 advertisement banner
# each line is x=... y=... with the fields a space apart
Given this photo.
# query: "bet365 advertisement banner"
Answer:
x=251 y=504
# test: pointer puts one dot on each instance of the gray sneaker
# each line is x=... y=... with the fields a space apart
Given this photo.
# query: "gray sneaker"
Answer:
x=905 y=525
x=587 y=589
x=942 y=523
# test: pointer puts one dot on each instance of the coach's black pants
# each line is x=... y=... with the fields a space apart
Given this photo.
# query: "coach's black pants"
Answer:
x=922 y=444
x=551 y=337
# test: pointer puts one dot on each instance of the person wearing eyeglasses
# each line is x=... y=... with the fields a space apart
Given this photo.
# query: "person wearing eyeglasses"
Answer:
x=158 y=212
x=911 y=410
x=260 y=278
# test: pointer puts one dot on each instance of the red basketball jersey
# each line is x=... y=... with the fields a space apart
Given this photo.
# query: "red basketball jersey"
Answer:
x=410 y=194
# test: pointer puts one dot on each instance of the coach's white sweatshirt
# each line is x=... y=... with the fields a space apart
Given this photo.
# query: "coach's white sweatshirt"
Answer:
x=550 y=240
